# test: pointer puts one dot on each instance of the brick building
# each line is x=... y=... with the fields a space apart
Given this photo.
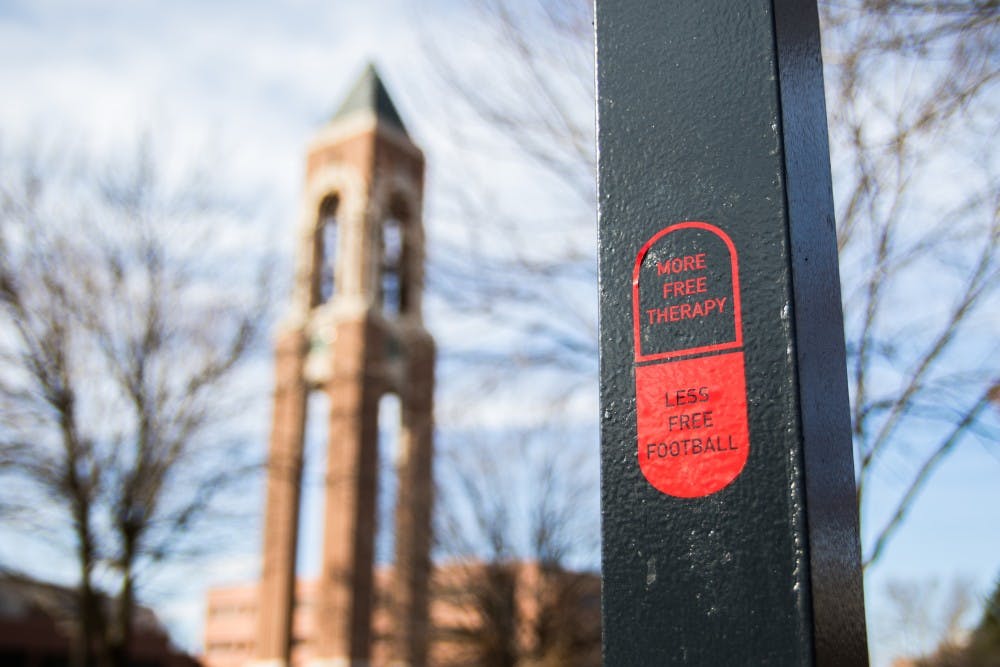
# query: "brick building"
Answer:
x=480 y=616
x=39 y=623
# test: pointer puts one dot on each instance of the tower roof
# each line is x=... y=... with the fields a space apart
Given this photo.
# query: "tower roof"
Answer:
x=369 y=93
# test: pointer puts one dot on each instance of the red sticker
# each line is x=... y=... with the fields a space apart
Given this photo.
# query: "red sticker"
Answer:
x=691 y=399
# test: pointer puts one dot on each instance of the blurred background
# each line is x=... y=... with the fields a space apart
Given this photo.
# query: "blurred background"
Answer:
x=151 y=162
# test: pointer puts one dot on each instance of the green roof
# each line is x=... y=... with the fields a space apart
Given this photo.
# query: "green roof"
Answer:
x=369 y=93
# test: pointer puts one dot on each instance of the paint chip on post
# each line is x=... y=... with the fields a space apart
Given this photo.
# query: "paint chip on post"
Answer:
x=691 y=402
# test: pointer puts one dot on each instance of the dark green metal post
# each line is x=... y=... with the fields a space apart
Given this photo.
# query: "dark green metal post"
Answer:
x=729 y=519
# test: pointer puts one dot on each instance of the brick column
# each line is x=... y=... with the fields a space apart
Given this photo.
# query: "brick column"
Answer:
x=414 y=503
x=345 y=594
x=284 y=473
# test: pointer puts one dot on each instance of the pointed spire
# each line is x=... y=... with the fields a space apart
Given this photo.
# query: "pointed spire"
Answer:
x=369 y=93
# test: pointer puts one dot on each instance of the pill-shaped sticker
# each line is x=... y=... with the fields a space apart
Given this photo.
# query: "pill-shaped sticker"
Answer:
x=691 y=404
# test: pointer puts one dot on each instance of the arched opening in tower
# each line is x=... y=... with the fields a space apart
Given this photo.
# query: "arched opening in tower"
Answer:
x=325 y=250
x=314 y=481
x=389 y=453
x=394 y=249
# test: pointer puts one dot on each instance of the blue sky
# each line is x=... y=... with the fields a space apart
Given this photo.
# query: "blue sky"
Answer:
x=247 y=83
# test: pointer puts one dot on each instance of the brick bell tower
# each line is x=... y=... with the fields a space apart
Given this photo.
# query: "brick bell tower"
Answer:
x=354 y=331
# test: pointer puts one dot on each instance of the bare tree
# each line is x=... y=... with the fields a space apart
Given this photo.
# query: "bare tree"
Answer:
x=932 y=619
x=926 y=613
x=120 y=342
x=912 y=94
x=913 y=111
x=526 y=263
x=513 y=532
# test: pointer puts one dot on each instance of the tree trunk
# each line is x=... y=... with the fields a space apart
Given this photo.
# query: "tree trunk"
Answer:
x=90 y=649
x=121 y=629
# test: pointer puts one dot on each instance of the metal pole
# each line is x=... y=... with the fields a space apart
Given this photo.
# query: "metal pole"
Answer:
x=729 y=518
